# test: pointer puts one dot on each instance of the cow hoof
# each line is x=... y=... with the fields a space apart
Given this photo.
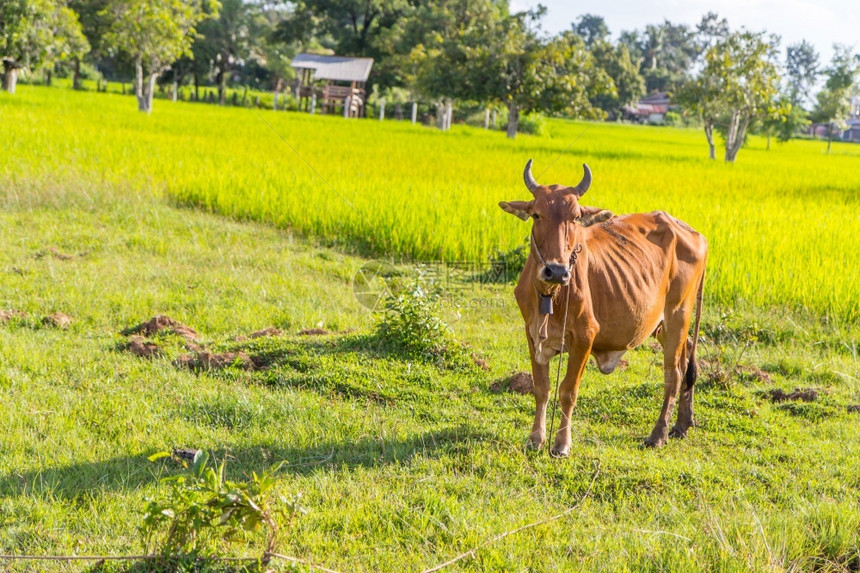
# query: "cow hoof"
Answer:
x=559 y=452
x=679 y=433
x=535 y=443
x=652 y=442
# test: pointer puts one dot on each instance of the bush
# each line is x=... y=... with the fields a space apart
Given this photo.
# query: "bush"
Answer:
x=410 y=321
x=201 y=506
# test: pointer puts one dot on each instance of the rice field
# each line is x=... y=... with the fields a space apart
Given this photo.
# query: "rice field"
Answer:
x=781 y=222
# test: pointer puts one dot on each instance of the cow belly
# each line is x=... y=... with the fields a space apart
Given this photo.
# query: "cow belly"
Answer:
x=607 y=362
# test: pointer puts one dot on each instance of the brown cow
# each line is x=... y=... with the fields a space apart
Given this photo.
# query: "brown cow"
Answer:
x=612 y=285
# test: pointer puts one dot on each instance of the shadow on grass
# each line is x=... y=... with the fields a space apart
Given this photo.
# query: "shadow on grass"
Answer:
x=122 y=473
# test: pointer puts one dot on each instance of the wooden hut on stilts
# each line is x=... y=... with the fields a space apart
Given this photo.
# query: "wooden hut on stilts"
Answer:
x=343 y=80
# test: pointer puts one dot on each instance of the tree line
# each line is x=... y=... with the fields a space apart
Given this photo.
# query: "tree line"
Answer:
x=474 y=52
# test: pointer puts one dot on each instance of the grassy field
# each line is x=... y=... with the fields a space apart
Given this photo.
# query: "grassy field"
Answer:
x=404 y=463
x=780 y=223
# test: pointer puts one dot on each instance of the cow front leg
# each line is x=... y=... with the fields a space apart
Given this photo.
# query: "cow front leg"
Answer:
x=540 y=376
x=568 y=393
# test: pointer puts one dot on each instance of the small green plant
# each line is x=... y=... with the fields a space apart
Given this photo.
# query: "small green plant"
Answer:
x=410 y=321
x=201 y=508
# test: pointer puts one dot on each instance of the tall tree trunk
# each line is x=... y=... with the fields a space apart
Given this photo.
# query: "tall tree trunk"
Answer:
x=10 y=76
x=222 y=85
x=735 y=138
x=76 y=78
x=196 y=86
x=709 y=134
x=48 y=78
x=513 y=119
x=144 y=86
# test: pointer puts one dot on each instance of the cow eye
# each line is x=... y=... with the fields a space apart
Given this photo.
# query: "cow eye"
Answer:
x=535 y=216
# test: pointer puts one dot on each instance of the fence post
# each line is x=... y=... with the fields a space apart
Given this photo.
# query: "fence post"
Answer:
x=313 y=103
x=414 y=112
x=346 y=106
x=381 y=109
x=449 y=114
x=487 y=118
x=494 y=119
x=275 y=101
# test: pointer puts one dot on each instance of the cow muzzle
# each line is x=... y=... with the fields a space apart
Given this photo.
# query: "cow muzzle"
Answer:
x=555 y=274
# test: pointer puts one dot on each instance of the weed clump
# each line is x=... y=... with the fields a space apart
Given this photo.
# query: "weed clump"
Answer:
x=410 y=324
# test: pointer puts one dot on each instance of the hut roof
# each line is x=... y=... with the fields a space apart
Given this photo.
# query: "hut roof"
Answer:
x=336 y=68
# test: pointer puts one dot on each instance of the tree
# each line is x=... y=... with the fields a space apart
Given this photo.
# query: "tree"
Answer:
x=629 y=85
x=225 y=41
x=710 y=30
x=591 y=28
x=667 y=53
x=93 y=26
x=35 y=33
x=153 y=35
x=834 y=101
x=476 y=50
x=742 y=69
x=703 y=98
x=801 y=71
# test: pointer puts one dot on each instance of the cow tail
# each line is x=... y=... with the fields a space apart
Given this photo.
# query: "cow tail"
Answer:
x=692 y=368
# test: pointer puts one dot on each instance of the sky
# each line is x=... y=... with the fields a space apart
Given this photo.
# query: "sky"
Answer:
x=821 y=22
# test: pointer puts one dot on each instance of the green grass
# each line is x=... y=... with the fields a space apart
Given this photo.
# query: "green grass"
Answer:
x=402 y=464
x=780 y=223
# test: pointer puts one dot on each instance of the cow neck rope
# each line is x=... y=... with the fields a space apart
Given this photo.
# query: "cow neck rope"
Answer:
x=558 y=370
x=576 y=250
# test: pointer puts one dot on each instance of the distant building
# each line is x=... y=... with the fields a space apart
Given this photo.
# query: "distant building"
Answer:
x=650 y=109
x=334 y=72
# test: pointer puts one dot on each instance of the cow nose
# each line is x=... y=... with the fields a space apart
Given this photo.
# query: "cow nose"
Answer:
x=558 y=274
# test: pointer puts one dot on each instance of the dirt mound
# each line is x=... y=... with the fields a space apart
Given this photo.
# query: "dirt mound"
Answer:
x=55 y=252
x=805 y=395
x=271 y=331
x=7 y=315
x=480 y=362
x=205 y=360
x=139 y=346
x=518 y=383
x=313 y=332
x=163 y=322
x=58 y=320
x=854 y=408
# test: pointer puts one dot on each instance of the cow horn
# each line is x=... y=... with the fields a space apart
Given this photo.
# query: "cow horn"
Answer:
x=585 y=183
x=529 y=179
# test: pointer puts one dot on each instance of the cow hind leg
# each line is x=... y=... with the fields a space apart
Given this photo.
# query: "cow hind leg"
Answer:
x=685 y=419
x=673 y=339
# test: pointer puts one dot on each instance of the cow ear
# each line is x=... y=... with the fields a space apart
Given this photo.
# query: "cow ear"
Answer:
x=593 y=215
x=522 y=209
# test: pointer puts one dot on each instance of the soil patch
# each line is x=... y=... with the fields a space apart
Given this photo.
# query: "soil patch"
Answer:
x=7 y=315
x=55 y=252
x=163 y=322
x=58 y=320
x=518 y=383
x=271 y=331
x=480 y=362
x=855 y=408
x=804 y=395
x=205 y=360
x=314 y=332
x=139 y=346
